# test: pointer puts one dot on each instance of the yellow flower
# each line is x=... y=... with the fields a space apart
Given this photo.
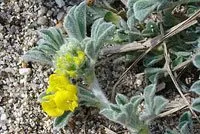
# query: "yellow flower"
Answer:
x=57 y=82
x=62 y=96
x=66 y=100
x=49 y=106
x=70 y=63
x=79 y=59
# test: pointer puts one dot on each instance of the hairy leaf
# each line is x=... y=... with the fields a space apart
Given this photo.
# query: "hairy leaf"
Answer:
x=62 y=121
x=101 y=32
x=151 y=60
x=115 y=108
x=149 y=93
x=159 y=104
x=36 y=55
x=122 y=118
x=50 y=42
x=87 y=98
x=121 y=99
x=94 y=13
x=196 y=61
x=196 y=104
x=196 y=87
x=142 y=8
x=185 y=123
x=75 y=22
x=108 y=113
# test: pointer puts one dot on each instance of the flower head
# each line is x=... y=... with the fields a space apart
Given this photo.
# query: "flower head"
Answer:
x=70 y=63
x=61 y=96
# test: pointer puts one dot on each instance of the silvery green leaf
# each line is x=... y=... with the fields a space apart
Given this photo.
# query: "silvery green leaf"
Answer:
x=177 y=61
x=121 y=118
x=151 y=60
x=185 y=129
x=153 y=70
x=60 y=3
x=129 y=108
x=83 y=91
x=185 y=118
x=159 y=104
x=101 y=32
x=108 y=113
x=121 y=99
x=136 y=100
x=154 y=78
x=61 y=121
x=196 y=61
x=149 y=93
x=87 y=98
x=185 y=123
x=75 y=22
x=115 y=108
x=94 y=13
x=53 y=36
x=35 y=55
x=196 y=87
x=151 y=29
x=90 y=49
x=196 y=104
x=50 y=42
x=142 y=8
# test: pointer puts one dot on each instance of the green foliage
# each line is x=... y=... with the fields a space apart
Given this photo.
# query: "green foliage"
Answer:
x=100 y=33
x=196 y=60
x=196 y=102
x=87 y=98
x=126 y=112
x=50 y=42
x=153 y=104
x=61 y=122
x=142 y=8
x=75 y=22
x=185 y=125
x=196 y=87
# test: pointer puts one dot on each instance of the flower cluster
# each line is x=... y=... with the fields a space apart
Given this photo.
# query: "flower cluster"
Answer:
x=61 y=96
x=69 y=63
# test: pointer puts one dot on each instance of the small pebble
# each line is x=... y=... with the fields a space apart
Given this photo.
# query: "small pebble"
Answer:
x=42 y=20
x=24 y=71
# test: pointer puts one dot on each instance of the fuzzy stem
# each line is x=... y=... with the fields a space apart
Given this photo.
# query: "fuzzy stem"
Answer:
x=97 y=91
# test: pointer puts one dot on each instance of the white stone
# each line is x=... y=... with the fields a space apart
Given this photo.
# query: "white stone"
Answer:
x=3 y=117
x=24 y=71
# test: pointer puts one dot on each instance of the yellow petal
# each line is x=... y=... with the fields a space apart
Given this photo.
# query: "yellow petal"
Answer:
x=81 y=55
x=51 y=109
x=57 y=82
x=66 y=100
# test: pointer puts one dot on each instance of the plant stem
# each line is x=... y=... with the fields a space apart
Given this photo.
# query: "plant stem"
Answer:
x=97 y=91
